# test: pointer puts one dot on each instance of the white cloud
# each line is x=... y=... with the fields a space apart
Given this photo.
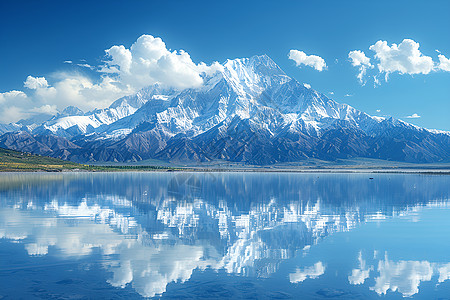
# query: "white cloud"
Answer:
x=312 y=272
x=348 y=95
x=124 y=71
x=376 y=81
x=444 y=63
x=148 y=61
x=121 y=59
x=331 y=93
x=68 y=89
x=34 y=83
x=86 y=66
x=404 y=58
x=359 y=59
x=413 y=116
x=306 y=85
x=301 y=58
x=12 y=95
x=378 y=110
x=13 y=104
x=45 y=109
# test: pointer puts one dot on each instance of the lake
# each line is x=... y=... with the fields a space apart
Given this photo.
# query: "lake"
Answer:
x=224 y=235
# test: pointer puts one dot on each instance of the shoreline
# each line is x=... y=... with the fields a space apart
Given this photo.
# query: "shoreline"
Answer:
x=424 y=171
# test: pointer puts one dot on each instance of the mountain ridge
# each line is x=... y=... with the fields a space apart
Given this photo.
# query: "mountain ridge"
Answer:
x=250 y=111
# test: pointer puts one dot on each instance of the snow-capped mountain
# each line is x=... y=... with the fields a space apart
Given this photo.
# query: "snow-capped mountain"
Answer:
x=250 y=111
x=72 y=121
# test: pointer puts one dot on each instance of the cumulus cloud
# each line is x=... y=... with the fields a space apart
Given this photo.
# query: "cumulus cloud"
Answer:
x=301 y=58
x=34 y=83
x=79 y=90
x=359 y=59
x=12 y=104
x=68 y=89
x=45 y=109
x=413 y=116
x=403 y=58
x=149 y=61
x=12 y=95
x=123 y=71
x=444 y=63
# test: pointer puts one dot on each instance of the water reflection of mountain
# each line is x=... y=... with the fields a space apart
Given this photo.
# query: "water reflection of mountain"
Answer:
x=339 y=190
x=159 y=227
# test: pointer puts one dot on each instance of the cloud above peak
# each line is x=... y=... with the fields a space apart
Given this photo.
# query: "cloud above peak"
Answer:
x=123 y=71
x=301 y=58
x=148 y=61
x=413 y=116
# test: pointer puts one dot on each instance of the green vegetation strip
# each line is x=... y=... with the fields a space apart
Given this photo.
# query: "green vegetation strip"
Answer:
x=14 y=161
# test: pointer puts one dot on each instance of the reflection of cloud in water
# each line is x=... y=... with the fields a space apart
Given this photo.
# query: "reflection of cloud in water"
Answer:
x=150 y=267
x=362 y=273
x=444 y=272
x=404 y=276
x=39 y=231
x=312 y=272
x=255 y=242
x=204 y=235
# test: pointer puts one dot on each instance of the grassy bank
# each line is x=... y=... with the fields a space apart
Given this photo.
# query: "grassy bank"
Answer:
x=14 y=161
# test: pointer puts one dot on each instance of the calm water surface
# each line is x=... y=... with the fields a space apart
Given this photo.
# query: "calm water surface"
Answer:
x=230 y=235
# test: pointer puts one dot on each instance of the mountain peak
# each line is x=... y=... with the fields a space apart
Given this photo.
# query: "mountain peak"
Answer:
x=250 y=112
x=72 y=111
x=254 y=74
x=261 y=64
x=263 y=59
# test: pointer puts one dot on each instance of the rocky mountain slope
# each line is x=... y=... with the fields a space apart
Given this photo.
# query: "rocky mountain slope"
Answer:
x=250 y=112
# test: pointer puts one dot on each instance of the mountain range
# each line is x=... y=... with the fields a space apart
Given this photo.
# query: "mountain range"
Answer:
x=250 y=112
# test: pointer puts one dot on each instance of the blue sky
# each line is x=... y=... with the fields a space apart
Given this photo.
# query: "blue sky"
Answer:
x=37 y=37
